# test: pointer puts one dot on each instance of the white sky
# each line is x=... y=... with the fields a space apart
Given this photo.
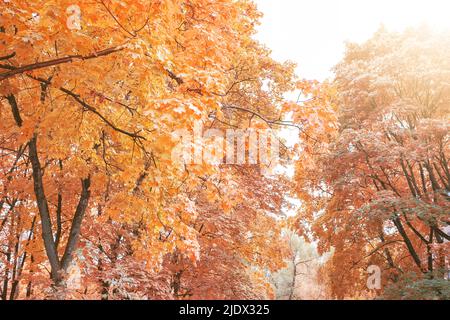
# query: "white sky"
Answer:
x=312 y=32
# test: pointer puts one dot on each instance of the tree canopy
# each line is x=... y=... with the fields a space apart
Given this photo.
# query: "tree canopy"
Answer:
x=94 y=205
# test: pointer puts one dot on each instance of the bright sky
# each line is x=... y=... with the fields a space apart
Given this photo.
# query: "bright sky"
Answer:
x=312 y=32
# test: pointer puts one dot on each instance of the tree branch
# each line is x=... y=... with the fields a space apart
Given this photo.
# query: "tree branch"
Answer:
x=54 y=62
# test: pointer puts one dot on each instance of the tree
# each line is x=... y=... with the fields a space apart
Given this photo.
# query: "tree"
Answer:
x=380 y=192
x=300 y=280
x=90 y=97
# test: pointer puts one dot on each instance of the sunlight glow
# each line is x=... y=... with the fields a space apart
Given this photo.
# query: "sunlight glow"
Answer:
x=312 y=32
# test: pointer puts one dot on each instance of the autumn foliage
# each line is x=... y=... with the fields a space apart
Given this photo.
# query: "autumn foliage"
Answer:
x=93 y=205
x=378 y=191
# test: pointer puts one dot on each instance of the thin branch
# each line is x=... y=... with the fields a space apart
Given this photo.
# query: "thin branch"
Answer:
x=135 y=32
x=90 y=108
x=8 y=56
x=54 y=62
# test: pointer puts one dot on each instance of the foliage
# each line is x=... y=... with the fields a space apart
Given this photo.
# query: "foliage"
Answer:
x=414 y=287
x=379 y=194
x=93 y=205
x=89 y=190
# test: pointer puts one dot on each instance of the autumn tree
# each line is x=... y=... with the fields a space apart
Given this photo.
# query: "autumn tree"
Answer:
x=90 y=96
x=240 y=238
x=379 y=192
